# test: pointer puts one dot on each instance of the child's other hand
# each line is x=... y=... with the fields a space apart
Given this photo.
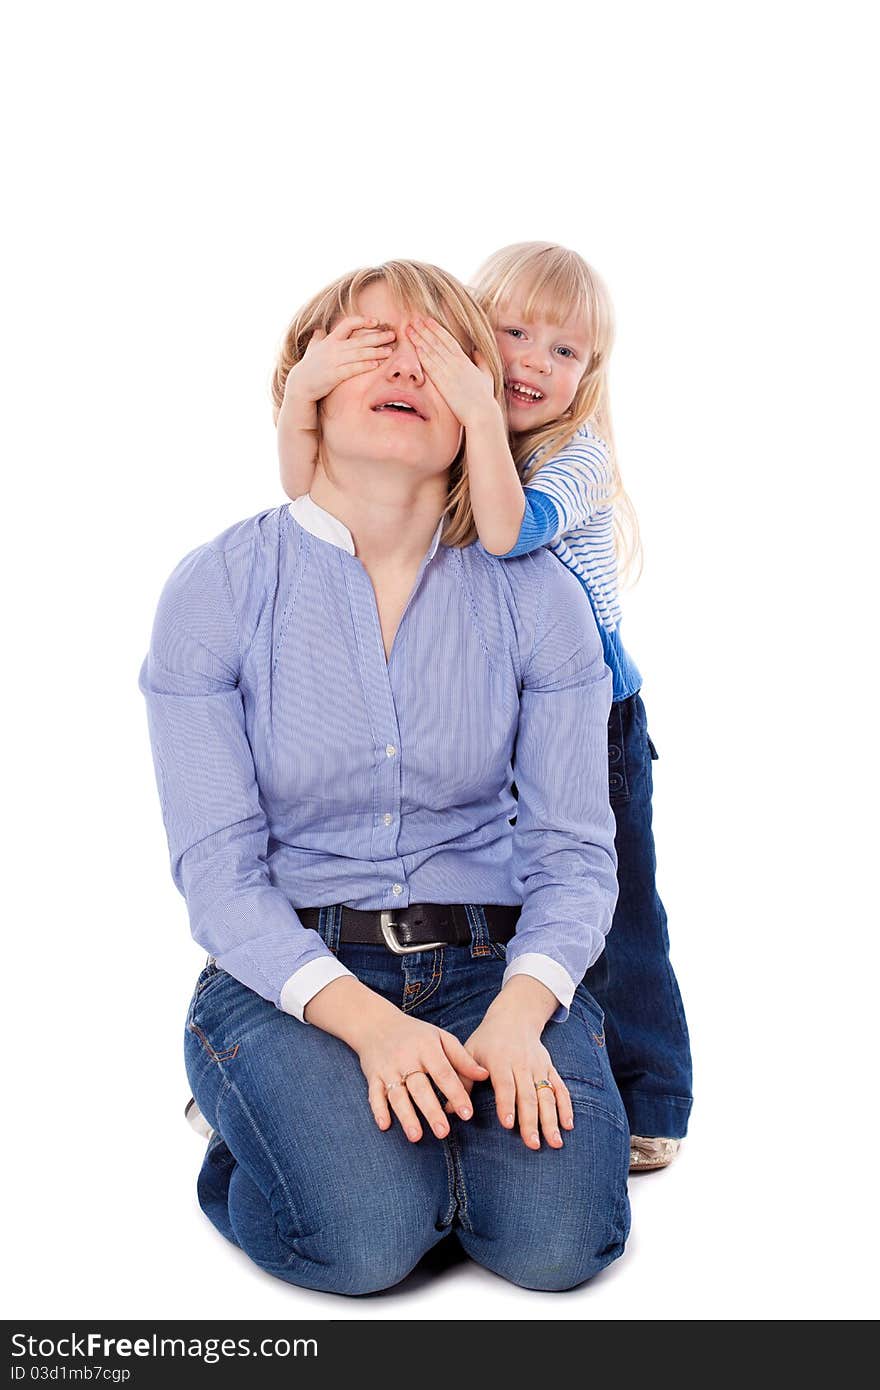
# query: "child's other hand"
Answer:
x=467 y=387
x=353 y=346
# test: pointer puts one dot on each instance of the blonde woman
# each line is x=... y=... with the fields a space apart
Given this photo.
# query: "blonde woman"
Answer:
x=390 y=1040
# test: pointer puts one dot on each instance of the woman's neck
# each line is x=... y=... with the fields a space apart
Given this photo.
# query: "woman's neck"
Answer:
x=392 y=520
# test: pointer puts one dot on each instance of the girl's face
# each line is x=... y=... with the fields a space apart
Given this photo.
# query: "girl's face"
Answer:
x=546 y=358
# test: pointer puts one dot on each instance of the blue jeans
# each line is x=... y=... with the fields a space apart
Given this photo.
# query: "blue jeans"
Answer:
x=633 y=980
x=302 y=1179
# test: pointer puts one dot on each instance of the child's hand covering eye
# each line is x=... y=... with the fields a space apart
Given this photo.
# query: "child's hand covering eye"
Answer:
x=467 y=387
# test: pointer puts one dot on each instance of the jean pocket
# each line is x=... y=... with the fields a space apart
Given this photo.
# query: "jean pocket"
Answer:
x=577 y=1045
x=499 y=948
x=209 y=976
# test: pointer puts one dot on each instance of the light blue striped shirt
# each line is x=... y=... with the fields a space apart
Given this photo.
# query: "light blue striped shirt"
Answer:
x=297 y=767
x=567 y=510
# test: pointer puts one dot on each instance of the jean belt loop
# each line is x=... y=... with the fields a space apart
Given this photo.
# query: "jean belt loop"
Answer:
x=479 y=929
x=329 y=923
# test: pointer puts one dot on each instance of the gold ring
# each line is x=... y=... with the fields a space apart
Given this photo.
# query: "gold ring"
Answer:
x=540 y=1084
x=389 y=1086
x=417 y=1071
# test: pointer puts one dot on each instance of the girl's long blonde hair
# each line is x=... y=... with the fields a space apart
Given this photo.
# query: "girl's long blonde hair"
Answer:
x=555 y=283
x=429 y=291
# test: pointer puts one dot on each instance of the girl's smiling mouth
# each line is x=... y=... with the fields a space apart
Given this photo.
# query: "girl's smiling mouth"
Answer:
x=522 y=394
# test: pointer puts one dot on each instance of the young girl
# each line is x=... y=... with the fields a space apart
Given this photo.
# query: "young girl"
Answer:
x=548 y=476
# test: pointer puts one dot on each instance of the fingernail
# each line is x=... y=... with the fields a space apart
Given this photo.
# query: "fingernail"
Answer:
x=412 y=1132
x=440 y=1130
x=535 y=1140
x=508 y=1119
x=465 y=1112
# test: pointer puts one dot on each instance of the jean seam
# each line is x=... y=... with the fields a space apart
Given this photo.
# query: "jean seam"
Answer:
x=587 y=1103
x=459 y=1187
x=682 y=1102
x=225 y=1055
x=450 y=1181
x=232 y=1089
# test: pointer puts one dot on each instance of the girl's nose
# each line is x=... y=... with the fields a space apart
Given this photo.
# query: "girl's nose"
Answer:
x=536 y=359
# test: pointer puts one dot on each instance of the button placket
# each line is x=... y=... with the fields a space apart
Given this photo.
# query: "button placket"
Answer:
x=379 y=691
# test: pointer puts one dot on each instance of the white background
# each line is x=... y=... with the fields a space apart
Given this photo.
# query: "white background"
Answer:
x=179 y=178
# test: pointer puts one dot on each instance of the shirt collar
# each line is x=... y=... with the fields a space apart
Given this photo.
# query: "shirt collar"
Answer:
x=328 y=527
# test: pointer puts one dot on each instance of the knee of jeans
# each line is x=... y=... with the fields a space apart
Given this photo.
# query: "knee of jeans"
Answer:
x=364 y=1249
x=565 y=1263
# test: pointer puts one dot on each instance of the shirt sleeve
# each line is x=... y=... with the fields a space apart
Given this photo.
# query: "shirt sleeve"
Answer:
x=563 y=855
x=565 y=493
x=214 y=821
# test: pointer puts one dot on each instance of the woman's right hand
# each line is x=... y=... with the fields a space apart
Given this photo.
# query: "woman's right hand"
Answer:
x=403 y=1047
x=391 y=1046
x=350 y=348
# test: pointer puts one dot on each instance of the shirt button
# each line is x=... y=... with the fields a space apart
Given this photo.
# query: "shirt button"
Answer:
x=390 y=749
x=388 y=818
x=396 y=889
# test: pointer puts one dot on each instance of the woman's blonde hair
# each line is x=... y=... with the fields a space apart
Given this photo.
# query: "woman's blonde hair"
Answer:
x=425 y=289
x=556 y=284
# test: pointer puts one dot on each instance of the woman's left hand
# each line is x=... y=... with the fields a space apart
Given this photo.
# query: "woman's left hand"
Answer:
x=516 y=1059
x=467 y=387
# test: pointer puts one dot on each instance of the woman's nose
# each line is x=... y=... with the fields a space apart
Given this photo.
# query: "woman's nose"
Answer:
x=404 y=361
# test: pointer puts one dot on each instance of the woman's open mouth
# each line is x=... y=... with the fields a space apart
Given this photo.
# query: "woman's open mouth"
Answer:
x=402 y=409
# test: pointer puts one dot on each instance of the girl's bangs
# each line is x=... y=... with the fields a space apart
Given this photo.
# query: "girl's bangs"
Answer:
x=556 y=296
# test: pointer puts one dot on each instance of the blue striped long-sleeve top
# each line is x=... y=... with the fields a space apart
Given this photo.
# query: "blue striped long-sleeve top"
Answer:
x=296 y=767
x=567 y=510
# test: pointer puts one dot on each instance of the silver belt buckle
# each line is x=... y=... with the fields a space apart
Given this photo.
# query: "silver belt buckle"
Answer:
x=387 y=923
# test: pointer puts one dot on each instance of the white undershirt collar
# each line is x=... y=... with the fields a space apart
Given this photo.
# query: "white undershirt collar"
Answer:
x=327 y=527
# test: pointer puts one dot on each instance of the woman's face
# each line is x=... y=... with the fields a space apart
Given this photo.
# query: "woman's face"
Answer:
x=354 y=424
x=542 y=356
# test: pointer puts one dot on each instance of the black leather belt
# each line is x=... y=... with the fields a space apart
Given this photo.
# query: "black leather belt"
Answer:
x=419 y=927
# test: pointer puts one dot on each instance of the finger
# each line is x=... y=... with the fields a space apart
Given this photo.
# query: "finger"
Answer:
x=378 y=1102
x=359 y=352
x=348 y=369
x=504 y=1086
x=449 y=1082
x=439 y=331
x=350 y=323
x=461 y=1059
x=564 y=1107
x=318 y=335
x=426 y=347
x=527 y=1108
x=361 y=335
x=425 y=1097
x=547 y=1115
x=398 y=1099
x=468 y=1085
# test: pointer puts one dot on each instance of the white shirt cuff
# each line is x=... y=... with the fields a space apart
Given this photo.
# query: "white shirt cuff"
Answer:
x=550 y=973
x=305 y=983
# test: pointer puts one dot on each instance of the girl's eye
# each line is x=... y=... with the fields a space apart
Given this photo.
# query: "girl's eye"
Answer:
x=513 y=330
x=569 y=351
